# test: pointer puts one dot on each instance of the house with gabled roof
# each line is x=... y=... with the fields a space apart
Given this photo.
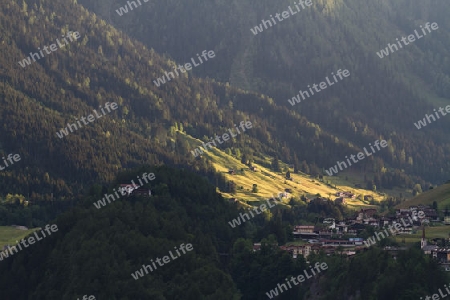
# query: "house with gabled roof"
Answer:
x=134 y=190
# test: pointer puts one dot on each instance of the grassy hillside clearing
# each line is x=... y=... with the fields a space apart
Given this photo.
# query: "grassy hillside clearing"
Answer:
x=271 y=183
x=9 y=235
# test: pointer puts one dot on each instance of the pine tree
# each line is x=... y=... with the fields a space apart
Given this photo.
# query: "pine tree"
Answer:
x=276 y=164
x=296 y=164
x=244 y=158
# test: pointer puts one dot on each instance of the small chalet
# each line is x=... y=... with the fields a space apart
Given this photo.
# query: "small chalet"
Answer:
x=447 y=220
x=303 y=250
x=304 y=229
x=345 y=195
x=365 y=213
x=128 y=187
x=142 y=192
x=431 y=214
x=135 y=190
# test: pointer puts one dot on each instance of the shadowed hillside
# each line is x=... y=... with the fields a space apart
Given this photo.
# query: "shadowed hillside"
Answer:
x=382 y=98
x=104 y=65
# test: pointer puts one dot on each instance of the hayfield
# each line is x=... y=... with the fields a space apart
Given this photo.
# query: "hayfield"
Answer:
x=271 y=183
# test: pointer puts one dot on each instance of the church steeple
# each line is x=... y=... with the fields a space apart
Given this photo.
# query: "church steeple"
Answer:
x=423 y=241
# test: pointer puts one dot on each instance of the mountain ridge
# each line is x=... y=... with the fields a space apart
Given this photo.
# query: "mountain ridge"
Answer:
x=106 y=66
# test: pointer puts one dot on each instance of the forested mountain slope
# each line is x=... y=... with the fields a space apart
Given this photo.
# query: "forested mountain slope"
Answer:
x=104 y=65
x=95 y=251
x=382 y=97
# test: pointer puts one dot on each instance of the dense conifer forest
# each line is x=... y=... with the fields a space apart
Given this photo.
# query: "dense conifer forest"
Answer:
x=95 y=251
x=106 y=65
x=116 y=59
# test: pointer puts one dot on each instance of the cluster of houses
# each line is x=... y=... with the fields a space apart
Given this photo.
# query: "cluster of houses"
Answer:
x=329 y=237
x=441 y=254
x=342 y=196
x=251 y=168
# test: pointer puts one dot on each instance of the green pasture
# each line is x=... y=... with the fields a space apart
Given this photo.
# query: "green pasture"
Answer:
x=9 y=235
x=430 y=233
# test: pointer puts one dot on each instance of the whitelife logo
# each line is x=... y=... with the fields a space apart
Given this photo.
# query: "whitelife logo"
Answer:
x=85 y=297
x=10 y=158
x=110 y=197
x=436 y=296
x=371 y=241
x=360 y=156
x=140 y=273
x=284 y=15
x=236 y=222
x=273 y=293
x=187 y=66
x=90 y=118
x=30 y=240
x=411 y=38
x=123 y=10
x=27 y=61
x=323 y=85
x=198 y=151
x=423 y=123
